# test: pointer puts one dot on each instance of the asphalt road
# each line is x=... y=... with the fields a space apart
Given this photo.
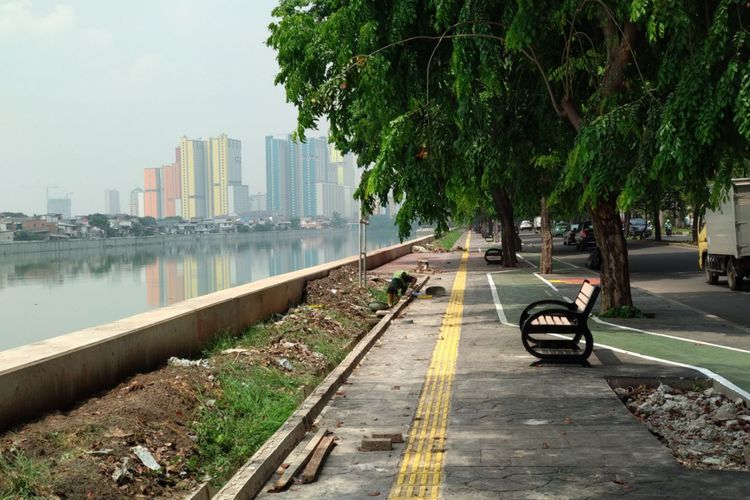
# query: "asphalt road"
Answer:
x=672 y=271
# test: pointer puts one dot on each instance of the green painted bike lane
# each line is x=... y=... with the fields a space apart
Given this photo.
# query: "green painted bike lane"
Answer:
x=517 y=289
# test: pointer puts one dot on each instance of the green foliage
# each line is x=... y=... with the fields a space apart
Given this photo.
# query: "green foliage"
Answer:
x=22 y=476
x=99 y=220
x=294 y=223
x=337 y=220
x=622 y=312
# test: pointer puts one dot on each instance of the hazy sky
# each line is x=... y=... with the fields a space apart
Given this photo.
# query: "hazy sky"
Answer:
x=92 y=92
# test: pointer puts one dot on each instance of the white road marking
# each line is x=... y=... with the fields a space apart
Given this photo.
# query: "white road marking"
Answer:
x=705 y=371
x=498 y=305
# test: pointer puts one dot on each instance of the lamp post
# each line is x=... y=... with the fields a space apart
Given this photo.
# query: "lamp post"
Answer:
x=363 y=223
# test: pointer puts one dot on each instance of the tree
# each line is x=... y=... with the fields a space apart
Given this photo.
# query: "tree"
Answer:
x=444 y=99
x=337 y=220
x=294 y=223
x=450 y=136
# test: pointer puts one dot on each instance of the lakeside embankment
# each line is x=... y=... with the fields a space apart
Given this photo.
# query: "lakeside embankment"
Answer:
x=54 y=373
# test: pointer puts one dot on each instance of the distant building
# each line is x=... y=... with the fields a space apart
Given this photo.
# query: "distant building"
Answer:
x=292 y=171
x=137 y=202
x=194 y=175
x=225 y=159
x=211 y=177
x=257 y=203
x=59 y=206
x=111 y=202
x=172 y=188
x=152 y=193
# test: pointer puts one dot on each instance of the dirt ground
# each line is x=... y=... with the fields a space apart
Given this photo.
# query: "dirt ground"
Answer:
x=90 y=451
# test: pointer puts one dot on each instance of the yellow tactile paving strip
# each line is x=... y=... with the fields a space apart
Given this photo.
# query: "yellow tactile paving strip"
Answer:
x=422 y=464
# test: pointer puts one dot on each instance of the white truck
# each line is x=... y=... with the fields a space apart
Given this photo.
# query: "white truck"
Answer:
x=724 y=241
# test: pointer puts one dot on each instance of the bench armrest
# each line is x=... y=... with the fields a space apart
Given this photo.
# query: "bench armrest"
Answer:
x=573 y=316
x=570 y=306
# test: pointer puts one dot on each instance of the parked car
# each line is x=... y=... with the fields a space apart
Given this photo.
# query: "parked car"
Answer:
x=569 y=236
x=640 y=228
x=560 y=228
x=525 y=226
x=585 y=237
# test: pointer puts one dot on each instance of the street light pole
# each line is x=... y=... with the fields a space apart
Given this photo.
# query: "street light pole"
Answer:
x=363 y=222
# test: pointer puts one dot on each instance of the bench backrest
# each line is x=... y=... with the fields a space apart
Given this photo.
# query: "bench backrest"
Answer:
x=586 y=297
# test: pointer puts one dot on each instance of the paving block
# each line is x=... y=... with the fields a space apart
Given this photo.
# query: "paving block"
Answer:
x=376 y=444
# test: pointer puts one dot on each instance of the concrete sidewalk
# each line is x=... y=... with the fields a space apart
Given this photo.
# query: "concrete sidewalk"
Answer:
x=486 y=424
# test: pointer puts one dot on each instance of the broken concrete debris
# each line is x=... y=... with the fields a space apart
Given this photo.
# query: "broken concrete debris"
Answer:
x=703 y=429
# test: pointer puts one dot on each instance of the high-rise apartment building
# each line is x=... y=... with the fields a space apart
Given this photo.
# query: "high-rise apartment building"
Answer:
x=277 y=175
x=194 y=173
x=292 y=171
x=60 y=206
x=111 y=202
x=172 y=188
x=137 y=202
x=225 y=158
x=211 y=177
x=152 y=193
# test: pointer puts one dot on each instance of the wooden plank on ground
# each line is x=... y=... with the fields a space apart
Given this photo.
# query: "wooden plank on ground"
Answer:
x=321 y=452
x=298 y=460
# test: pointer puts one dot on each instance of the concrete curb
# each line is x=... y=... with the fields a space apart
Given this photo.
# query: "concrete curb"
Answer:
x=251 y=477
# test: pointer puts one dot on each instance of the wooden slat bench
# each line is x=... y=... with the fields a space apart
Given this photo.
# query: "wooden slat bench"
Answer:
x=569 y=318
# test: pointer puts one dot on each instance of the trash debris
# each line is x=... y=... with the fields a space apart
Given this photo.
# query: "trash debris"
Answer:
x=186 y=363
x=102 y=452
x=146 y=457
x=285 y=364
x=122 y=472
x=236 y=350
x=419 y=249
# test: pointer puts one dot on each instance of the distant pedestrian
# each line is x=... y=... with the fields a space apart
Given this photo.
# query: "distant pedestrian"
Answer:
x=399 y=283
x=668 y=227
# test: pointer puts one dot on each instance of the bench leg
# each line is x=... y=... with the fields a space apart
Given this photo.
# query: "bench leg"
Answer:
x=559 y=349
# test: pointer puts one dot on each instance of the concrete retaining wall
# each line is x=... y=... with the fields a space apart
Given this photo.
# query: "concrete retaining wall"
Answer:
x=55 y=373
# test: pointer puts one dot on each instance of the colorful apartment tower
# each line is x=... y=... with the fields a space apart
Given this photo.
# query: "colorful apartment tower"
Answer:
x=152 y=193
x=225 y=158
x=172 y=188
x=194 y=174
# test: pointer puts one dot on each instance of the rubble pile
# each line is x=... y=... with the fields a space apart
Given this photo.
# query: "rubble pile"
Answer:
x=703 y=429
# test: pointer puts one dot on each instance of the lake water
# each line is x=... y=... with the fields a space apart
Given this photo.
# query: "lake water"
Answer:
x=49 y=294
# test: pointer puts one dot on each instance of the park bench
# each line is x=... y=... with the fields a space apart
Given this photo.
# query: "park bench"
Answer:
x=493 y=255
x=569 y=318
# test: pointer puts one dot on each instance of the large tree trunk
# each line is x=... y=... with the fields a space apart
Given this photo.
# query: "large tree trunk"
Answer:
x=657 y=223
x=504 y=210
x=615 y=272
x=545 y=263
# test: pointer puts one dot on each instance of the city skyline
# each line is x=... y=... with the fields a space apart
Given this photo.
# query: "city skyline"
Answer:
x=97 y=91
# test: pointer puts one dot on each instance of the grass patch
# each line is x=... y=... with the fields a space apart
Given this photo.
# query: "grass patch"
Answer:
x=622 y=312
x=379 y=294
x=449 y=239
x=22 y=476
x=253 y=405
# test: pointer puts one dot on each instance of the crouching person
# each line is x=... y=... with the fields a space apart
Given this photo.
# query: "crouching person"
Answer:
x=398 y=285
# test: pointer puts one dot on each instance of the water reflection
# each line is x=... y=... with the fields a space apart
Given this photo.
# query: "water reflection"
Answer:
x=44 y=295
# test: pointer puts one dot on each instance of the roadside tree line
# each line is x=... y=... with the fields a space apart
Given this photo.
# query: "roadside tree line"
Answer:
x=456 y=106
